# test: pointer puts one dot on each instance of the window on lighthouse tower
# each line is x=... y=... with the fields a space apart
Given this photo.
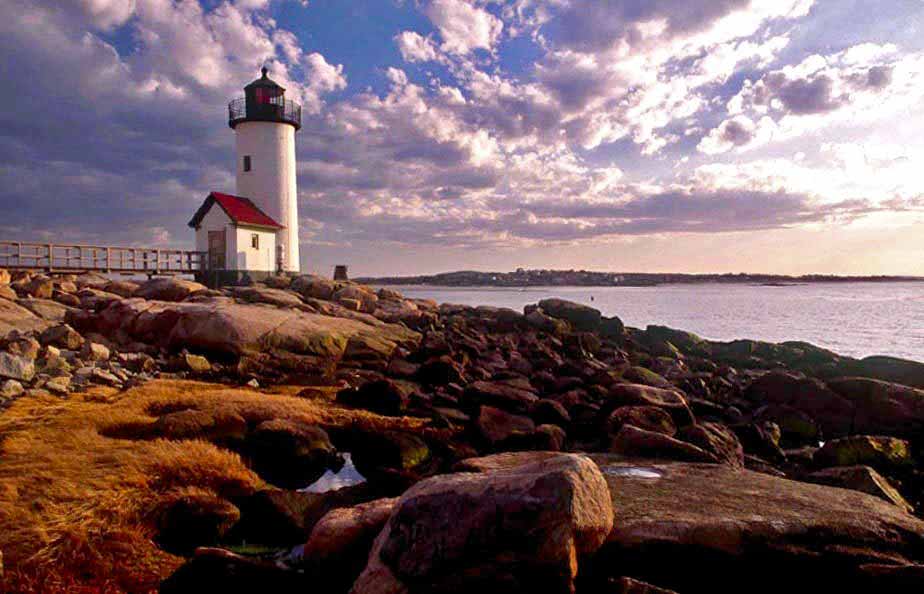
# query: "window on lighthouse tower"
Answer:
x=246 y=162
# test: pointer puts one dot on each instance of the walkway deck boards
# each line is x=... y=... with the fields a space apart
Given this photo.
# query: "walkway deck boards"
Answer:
x=53 y=257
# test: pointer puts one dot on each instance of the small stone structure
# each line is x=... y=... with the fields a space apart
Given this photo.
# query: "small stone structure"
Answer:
x=340 y=273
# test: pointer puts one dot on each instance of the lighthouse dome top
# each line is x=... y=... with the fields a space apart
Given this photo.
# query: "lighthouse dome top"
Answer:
x=265 y=82
x=264 y=101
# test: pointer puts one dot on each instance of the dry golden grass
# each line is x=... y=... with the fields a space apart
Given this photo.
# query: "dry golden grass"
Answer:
x=75 y=505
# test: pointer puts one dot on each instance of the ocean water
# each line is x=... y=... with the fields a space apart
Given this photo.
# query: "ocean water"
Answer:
x=856 y=319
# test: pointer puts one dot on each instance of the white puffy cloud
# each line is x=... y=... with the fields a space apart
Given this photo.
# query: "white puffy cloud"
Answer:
x=321 y=78
x=107 y=14
x=414 y=47
x=463 y=26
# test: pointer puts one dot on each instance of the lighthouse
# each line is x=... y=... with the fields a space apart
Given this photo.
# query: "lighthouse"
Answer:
x=252 y=234
x=264 y=124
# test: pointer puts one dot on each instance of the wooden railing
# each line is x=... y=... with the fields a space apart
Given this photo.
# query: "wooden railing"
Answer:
x=51 y=257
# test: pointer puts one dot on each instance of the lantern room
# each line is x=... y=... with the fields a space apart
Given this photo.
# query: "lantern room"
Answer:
x=264 y=101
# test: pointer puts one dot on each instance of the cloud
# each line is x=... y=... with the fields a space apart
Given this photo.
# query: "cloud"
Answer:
x=463 y=26
x=739 y=131
x=863 y=83
x=414 y=47
x=581 y=130
x=322 y=78
x=107 y=14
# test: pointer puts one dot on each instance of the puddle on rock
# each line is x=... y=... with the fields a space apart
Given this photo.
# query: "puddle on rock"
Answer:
x=347 y=476
x=633 y=472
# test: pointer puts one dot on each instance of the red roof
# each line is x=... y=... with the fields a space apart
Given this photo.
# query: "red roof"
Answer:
x=240 y=210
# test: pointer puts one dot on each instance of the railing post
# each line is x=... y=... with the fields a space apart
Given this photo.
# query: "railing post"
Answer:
x=108 y=259
x=51 y=257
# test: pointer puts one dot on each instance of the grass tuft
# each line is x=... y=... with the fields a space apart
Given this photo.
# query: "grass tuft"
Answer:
x=82 y=480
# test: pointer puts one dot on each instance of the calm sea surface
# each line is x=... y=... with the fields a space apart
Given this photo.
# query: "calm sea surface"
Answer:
x=856 y=319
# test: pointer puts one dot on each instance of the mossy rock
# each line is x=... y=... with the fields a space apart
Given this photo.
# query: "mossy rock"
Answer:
x=866 y=450
x=642 y=375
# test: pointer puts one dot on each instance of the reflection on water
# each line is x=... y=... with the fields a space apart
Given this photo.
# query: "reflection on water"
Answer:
x=856 y=319
x=633 y=472
x=331 y=481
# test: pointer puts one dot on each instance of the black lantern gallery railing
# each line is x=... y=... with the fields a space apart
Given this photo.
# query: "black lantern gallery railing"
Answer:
x=275 y=109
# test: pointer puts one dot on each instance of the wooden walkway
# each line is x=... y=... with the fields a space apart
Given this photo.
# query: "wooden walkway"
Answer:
x=52 y=257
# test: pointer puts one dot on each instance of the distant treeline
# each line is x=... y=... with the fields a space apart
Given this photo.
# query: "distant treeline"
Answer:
x=586 y=278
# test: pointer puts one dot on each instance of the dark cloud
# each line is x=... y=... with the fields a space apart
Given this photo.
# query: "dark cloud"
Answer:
x=591 y=25
x=736 y=132
x=879 y=77
x=803 y=96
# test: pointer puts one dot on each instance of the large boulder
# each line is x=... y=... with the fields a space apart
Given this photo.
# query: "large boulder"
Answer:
x=860 y=478
x=650 y=418
x=642 y=375
x=724 y=530
x=890 y=369
x=339 y=545
x=16 y=367
x=395 y=457
x=122 y=288
x=498 y=427
x=717 y=439
x=581 y=317
x=50 y=311
x=639 y=443
x=671 y=401
x=62 y=336
x=384 y=396
x=290 y=454
x=16 y=317
x=830 y=410
x=277 y=297
x=218 y=325
x=515 y=529
x=366 y=299
x=881 y=452
x=499 y=395
x=168 y=289
x=797 y=428
x=685 y=341
x=40 y=287
x=315 y=287
x=882 y=407
x=285 y=517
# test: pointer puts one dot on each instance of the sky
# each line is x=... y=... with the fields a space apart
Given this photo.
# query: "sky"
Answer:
x=776 y=136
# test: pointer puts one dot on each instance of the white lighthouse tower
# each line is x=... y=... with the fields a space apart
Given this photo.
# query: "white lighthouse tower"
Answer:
x=264 y=124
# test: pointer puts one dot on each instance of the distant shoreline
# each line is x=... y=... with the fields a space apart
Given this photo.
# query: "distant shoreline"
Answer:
x=583 y=278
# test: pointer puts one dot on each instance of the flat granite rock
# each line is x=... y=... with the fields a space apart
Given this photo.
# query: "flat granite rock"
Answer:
x=705 y=527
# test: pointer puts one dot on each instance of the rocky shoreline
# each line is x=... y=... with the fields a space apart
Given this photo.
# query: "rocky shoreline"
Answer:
x=551 y=450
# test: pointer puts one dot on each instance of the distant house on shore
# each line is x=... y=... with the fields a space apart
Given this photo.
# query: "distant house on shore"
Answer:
x=236 y=234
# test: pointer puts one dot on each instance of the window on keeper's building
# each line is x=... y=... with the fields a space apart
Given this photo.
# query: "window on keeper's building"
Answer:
x=255 y=241
x=246 y=162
